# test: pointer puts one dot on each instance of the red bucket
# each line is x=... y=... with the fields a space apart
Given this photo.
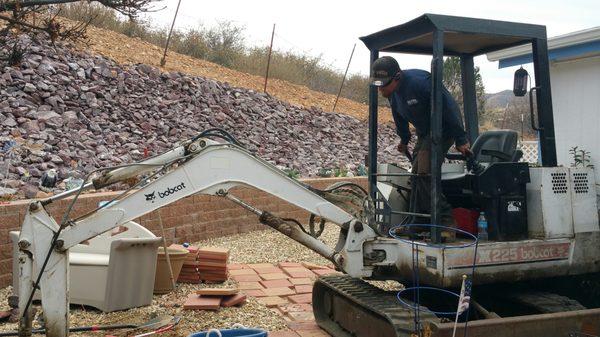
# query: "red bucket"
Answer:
x=466 y=219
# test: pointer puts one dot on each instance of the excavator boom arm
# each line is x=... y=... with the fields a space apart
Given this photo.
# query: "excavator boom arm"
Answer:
x=203 y=167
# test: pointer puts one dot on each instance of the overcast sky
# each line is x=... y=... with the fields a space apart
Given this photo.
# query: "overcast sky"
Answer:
x=330 y=28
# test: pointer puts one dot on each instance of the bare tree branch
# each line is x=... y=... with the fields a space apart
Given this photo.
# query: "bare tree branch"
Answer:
x=12 y=5
x=130 y=8
x=23 y=16
x=21 y=23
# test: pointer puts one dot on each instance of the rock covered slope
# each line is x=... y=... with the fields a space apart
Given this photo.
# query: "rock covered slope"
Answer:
x=74 y=112
x=118 y=47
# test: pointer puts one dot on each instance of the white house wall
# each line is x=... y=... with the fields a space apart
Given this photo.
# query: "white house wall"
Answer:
x=576 y=103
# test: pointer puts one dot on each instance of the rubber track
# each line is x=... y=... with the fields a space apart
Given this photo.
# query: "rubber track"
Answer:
x=373 y=300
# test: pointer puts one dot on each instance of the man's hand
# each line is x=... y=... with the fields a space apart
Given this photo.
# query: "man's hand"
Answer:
x=465 y=149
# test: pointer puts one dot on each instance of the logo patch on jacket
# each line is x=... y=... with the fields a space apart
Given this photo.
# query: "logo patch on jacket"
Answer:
x=411 y=102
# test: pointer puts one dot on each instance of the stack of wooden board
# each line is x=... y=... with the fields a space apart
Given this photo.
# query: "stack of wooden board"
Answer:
x=212 y=264
x=213 y=299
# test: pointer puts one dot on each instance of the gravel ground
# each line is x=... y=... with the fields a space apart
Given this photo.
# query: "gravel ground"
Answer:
x=243 y=249
x=276 y=248
x=250 y=314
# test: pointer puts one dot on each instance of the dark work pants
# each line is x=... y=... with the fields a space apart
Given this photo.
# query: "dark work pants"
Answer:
x=422 y=167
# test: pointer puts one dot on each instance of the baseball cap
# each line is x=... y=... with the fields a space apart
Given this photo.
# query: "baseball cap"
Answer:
x=383 y=71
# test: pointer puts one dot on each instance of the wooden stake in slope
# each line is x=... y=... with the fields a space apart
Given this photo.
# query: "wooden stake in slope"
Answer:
x=343 y=79
x=163 y=61
x=167 y=256
x=269 y=59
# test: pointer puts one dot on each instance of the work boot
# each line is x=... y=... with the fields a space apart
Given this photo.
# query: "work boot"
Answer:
x=449 y=235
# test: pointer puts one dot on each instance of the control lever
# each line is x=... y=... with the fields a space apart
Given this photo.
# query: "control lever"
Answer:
x=473 y=165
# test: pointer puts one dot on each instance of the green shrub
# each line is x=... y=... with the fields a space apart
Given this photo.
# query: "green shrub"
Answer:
x=292 y=173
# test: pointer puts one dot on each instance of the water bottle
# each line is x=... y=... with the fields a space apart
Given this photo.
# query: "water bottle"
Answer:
x=482 y=227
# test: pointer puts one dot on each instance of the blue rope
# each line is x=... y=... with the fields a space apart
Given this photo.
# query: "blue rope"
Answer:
x=415 y=265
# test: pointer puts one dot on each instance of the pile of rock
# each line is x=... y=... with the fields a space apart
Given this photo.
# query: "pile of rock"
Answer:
x=75 y=112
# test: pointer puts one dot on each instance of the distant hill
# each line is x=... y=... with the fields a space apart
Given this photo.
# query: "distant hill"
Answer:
x=498 y=100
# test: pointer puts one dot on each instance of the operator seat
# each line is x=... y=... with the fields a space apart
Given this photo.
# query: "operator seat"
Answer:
x=490 y=147
x=497 y=146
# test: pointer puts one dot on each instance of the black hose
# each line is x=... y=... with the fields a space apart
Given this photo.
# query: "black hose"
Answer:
x=344 y=184
x=311 y=224
x=297 y=223
x=219 y=133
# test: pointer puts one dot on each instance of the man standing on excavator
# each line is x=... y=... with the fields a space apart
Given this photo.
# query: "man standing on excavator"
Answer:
x=409 y=94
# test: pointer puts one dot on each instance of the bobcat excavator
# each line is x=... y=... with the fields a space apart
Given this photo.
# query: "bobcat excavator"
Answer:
x=534 y=277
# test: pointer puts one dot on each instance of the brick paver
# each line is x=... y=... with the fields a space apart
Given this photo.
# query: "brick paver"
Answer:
x=290 y=307
x=276 y=284
x=246 y=278
x=269 y=270
x=261 y=265
x=311 y=265
x=298 y=272
x=274 y=276
x=249 y=285
x=230 y=301
x=303 y=289
x=281 y=291
x=196 y=302
x=306 y=306
x=301 y=298
x=272 y=301
x=236 y=266
x=236 y=272
x=301 y=316
x=298 y=326
x=254 y=292
x=301 y=280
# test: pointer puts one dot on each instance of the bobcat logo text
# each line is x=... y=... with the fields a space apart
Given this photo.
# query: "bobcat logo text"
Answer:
x=169 y=191
x=150 y=197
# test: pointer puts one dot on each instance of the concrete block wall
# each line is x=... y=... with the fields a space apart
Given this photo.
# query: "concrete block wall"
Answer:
x=190 y=219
